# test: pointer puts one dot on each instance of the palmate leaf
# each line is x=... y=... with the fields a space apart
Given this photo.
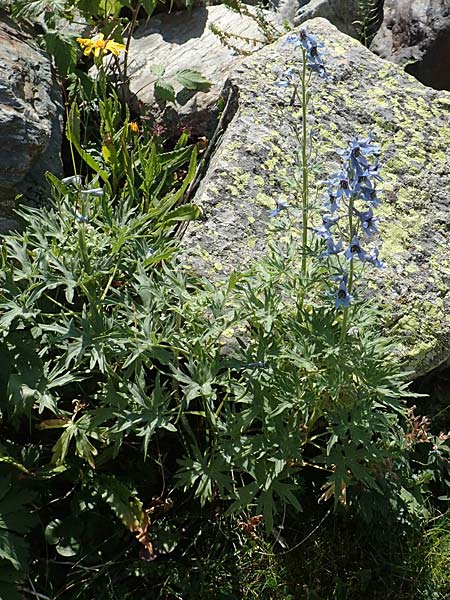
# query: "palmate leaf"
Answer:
x=15 y=521
x=202 y=474
x=78 y=431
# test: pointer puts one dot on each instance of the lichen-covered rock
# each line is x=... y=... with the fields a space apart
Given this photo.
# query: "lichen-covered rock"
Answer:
x=416 y=34
x=185 y=41
x=363 y=94
x=31 y=120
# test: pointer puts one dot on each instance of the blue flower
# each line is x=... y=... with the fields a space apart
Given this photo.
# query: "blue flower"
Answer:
x=97 y=192
x=343 y=298
x=342 y=182
x=332 y=248
x=280 y=206
x=311 y=47
x=292 y=40
x=360 y=147
x=310 y=44
x=80 y=217
x=324 y=230
x=287 y=78
x=73 y=179
x=355 y=250
x=333 y=203
x=318 y=68
x=356 y=154
x=373 y=259
x=365 y=176
x=260 y=364
x=369 y=195
x=370 y=173
x=368 y=222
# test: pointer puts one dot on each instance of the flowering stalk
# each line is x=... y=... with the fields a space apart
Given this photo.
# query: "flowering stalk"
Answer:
x=311 y=61
x=354 y=188
x=351 y=270
x=304 y=164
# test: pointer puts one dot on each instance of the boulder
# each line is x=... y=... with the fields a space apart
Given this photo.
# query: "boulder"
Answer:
x=342 y=13
x=185 y=41
x=363 y=94
x=31 y=120
x=416 y=34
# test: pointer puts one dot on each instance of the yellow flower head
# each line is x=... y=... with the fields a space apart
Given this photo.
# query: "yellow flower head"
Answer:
x=134 y=127
x=99 y=46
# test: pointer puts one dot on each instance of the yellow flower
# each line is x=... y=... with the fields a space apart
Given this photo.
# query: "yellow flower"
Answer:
x=99 y=46
x=134 y=127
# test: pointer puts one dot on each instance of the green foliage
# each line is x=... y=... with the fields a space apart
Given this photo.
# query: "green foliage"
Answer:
x=434 y=574
x=134 y=167
x=104 y=15
x=52 y=16
x=190 y=79
x=131 y=386
x=15 y=521
x=64 y=50
x=370 y=19
x=233 y=392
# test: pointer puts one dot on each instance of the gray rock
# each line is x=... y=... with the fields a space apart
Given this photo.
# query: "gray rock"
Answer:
x=248 y=172
x=343 y=14
x=31 y=120
x=416 y=34
x=183 y=41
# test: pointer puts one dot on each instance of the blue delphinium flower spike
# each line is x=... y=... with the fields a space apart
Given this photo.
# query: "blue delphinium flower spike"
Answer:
x=311 y=47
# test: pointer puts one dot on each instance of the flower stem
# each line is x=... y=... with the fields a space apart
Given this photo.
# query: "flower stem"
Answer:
x=304 y=161
x=350 y=274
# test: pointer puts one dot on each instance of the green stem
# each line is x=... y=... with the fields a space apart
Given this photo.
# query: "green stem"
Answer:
x=304 y=167
x=350 y=275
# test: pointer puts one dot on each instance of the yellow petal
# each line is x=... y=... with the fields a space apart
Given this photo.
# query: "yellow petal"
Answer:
x=115 y=47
